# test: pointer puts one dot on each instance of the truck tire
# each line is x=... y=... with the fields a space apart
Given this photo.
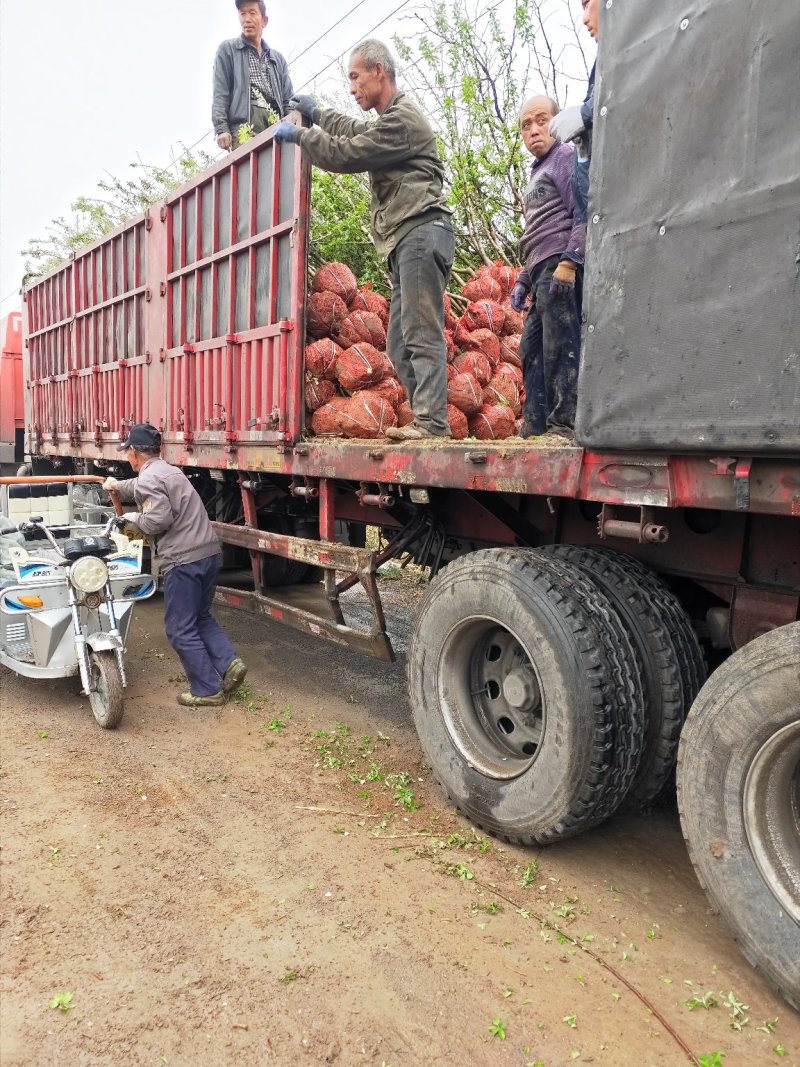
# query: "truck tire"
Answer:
x=739 y=800
x=670 y=658
x=517 y=689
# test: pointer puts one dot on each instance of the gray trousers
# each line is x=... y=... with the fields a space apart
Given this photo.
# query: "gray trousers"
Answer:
x=420 y=270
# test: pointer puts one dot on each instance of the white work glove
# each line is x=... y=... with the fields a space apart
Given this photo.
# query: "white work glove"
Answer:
x=567 y=124
x=110 y=483
x=131 y=517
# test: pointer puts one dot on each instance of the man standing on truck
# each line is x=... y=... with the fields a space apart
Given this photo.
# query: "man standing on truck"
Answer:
x=252 y=86
x=173 y=517
x=410 y=220
x=552 y=245
x=576 y=123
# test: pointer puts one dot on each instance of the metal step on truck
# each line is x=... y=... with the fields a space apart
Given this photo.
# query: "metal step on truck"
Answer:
x=598 y=614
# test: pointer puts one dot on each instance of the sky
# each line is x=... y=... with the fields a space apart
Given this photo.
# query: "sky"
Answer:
x=89 y=86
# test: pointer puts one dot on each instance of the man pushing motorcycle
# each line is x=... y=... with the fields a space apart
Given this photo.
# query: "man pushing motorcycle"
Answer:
x=173 y=518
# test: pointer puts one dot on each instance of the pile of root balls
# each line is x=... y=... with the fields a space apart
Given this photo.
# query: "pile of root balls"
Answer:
x=352 y=389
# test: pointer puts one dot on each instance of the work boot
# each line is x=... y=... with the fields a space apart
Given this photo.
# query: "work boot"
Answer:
x=189 y=700
x=415 y=431
x=234 y=675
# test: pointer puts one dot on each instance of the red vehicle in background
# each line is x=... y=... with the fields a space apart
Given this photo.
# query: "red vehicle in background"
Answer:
x=12 y=398
x=579 y=594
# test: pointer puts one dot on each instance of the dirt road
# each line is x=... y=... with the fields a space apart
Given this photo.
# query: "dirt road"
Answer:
x=280 y=882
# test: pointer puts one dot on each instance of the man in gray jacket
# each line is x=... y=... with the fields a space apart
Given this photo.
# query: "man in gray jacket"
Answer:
x=251 y=80
x=410 y=220
x=172 y=516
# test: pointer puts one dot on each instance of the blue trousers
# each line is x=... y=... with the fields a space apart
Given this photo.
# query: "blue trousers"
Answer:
x=203 y=648
x=550 y=349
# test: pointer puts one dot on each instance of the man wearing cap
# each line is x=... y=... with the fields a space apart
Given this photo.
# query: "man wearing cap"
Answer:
x=252 y=86
x=172 y=516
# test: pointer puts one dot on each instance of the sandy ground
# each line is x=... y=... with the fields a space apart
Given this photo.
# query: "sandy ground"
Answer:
x=280 y=882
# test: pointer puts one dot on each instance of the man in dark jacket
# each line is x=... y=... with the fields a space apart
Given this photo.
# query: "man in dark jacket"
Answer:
x=172 y=516
x=410 y=220
x=552 y=245
x=252 y=86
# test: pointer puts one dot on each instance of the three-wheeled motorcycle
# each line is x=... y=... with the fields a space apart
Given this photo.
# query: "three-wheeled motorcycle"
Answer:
x=69 y=579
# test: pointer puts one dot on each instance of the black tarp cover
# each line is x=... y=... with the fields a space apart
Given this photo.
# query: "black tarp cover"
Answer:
x=692 y=314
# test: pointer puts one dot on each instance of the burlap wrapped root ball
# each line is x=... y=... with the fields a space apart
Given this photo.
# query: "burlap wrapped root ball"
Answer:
x=321 y=358
x=510 y=370
x=366 y=415
x=325 y=313
x=366 y=299
x=404 y=414
x=360 y=366
x=464 y=393
x=493 y=422
x=483 y=286
x=505 y=276
x=362 y=326
x=513 y=321
x=318 y=391
x=509 y=349
x=335 y=278
x=391 y=390
x=324 y=421
x=459 y=424
x=484 y=341
x=484 y=315
x=476 y=364
x=450 y=320
x=503 y=390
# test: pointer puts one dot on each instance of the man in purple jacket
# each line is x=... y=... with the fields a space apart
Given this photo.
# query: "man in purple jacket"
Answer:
x=552 y=244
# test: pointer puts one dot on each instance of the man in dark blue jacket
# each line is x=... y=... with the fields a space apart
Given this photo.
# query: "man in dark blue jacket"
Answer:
x=252 y=86
x=576 y=123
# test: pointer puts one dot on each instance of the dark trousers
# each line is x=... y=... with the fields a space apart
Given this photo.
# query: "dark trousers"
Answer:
x=550 y=349
x=204 y=650
x=420 y=268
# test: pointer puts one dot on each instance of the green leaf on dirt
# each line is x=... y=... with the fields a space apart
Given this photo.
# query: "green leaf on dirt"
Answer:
x=711 y=1059
x=498 y=1029
x=62 y=1001
x=290 y=976
x=780 y=1050
x=529 y=874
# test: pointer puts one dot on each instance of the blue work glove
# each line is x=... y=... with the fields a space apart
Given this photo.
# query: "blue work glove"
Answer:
x=306 y=105
x=286 y=131
x=563 y=281
x=519 y=294
x=567 y=124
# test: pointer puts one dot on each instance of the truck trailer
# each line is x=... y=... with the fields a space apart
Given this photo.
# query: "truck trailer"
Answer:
x=12 y=397
x=598 y=613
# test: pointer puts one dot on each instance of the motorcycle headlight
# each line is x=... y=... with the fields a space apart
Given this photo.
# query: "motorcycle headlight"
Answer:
x=89 y=574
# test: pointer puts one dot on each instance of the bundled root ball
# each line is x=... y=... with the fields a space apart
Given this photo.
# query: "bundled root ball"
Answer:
x=494 y=422
x=484 y=341
x=404 y=414
x=483 y=286
x=459 y=425
x=324 y=421
x=464 y=393
x=451 y=345
x=321 y=358
x=360 y=366
x=390 y=389
x=335 y=278
x=366 y=299
x=505 y=276
x=450 y=320
x=509 y=349
x=362 y=326
x=513 y=321
x=318 y=391
x=509 y=370
x=325 y=313
x=484 y=315
x=502 y=390
x=366 y=415
x=476 y=364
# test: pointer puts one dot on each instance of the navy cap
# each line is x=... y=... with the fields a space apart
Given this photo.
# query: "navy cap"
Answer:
x=143 y=437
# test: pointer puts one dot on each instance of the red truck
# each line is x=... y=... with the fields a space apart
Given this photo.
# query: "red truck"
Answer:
x=558 y=664
x=12 y=402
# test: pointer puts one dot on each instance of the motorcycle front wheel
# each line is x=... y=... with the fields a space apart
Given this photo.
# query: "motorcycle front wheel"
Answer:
x=105 y=696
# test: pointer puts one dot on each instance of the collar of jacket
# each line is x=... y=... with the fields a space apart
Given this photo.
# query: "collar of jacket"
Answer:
x=244 y=43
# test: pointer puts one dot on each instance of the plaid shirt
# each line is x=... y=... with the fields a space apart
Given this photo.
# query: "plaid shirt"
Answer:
x=261 y=91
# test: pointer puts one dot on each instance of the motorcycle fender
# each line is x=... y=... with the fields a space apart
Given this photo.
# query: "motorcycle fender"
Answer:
x=104 y=642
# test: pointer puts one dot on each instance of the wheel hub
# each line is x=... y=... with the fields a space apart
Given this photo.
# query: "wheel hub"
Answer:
x=772 y=815
x=520 y=688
